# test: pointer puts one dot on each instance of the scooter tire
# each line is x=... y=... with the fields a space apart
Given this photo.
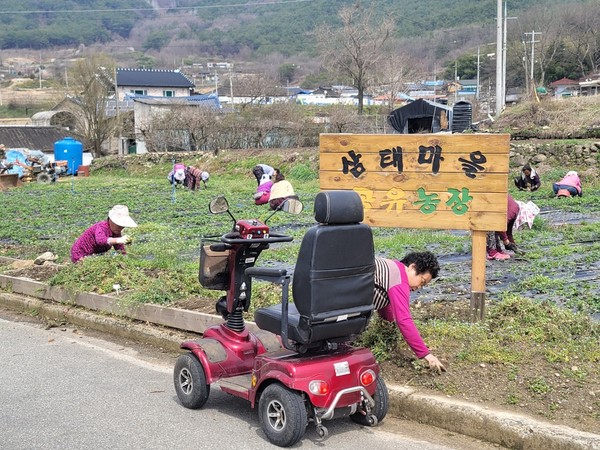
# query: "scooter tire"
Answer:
x=282 y=414
x=380 y=409
x=190 y=382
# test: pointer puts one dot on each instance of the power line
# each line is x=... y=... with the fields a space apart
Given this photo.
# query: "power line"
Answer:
x=176 y=8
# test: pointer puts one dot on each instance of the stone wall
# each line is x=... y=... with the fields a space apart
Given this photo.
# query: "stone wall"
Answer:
x=569 y=155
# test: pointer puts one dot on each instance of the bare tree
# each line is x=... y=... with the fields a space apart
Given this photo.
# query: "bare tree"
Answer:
x=255 y=88
x=92 y=85
x=355 y=49
x=342 y=119
x=201 y=128
x=182 y=127
x=583 y=35
x=393 y=74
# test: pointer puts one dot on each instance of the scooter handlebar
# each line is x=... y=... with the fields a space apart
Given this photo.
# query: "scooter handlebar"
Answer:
x=234 y=238
x=220 y=247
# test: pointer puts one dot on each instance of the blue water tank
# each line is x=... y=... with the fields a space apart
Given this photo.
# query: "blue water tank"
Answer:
x=71 y=151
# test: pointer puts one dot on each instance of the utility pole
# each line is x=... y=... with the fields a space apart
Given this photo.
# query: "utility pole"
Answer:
x=40 y=71
x=119 y=143
x=532 y=42
x=455 y=80
x=231 y=84
x=499 y=63
x=216 y=84
x=503 y=90
x=525 y=65
x=477 y=91
x=506 y=19
x=434 y=80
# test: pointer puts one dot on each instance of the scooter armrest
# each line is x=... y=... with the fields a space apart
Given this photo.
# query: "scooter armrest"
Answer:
x=266 y=273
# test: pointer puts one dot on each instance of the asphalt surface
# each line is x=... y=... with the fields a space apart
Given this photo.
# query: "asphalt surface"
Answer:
x=496 y=427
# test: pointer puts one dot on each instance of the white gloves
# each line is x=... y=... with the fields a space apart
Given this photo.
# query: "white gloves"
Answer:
x=123 y=240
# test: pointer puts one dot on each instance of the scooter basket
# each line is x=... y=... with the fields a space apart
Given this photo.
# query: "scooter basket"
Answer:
x=214 y=273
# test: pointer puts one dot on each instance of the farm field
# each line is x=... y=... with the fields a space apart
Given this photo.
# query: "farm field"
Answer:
x=537 y=351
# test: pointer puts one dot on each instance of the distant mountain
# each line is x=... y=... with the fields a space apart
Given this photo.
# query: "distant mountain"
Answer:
x=39 y=24
x=219 y=27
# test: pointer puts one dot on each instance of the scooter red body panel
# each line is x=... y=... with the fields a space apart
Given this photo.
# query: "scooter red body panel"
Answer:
x=341 y=370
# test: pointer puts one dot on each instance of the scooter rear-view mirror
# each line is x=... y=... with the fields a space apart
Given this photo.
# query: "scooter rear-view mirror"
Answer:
x=289 y=205
x=292 y=206
x=218 y=205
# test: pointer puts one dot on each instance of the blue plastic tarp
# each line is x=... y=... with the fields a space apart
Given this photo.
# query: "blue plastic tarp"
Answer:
x=14 y=156
x=22 y=156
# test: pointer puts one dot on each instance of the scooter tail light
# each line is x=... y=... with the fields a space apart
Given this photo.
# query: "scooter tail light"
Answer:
x=367 y=377
x=318 y=387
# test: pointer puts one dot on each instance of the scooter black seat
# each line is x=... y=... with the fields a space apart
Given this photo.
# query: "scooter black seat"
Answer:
x=333 y=283
x=270 y=319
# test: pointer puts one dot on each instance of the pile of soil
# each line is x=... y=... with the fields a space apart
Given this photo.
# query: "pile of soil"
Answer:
x=34 y=272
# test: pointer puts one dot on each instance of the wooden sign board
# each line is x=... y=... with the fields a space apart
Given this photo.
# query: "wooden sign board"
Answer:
x=436 y=181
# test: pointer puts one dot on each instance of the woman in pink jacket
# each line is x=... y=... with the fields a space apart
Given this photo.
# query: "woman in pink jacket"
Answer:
x=494 y=238
x=104 y=235
x=570 y=183
x=394 y=281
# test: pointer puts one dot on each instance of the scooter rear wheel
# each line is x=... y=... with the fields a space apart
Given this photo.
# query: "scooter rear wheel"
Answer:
x=190 y=382
x=380 y=409
x=282 y=414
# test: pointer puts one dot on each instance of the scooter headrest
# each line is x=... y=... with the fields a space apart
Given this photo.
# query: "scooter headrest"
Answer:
x=338 y=207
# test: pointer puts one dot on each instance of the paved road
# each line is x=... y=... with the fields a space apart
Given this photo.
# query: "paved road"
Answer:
x=63 y=389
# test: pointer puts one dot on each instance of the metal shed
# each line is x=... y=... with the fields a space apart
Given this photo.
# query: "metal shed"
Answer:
x=421 y=116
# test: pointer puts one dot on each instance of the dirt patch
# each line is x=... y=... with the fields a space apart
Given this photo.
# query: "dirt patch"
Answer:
x=202 y=305
x=34 y=272
x=553 y=392
x=568 y=403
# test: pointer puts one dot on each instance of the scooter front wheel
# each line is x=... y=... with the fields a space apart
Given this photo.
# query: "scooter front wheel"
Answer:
x=190 y=382
x=379 y=411
x=282 y=414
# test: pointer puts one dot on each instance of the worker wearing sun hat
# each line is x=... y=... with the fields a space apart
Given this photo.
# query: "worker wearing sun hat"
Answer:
x=104 y=235
x=204 y=176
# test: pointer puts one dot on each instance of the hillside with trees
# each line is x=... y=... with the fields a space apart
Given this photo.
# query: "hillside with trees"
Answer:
x=32 y=24
x=376 y=46
x=228 y=28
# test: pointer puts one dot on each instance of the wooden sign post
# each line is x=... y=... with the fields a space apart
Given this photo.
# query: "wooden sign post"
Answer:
x=436 y=181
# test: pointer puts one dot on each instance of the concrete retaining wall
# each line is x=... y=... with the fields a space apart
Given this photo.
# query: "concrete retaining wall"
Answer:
x=175 y=318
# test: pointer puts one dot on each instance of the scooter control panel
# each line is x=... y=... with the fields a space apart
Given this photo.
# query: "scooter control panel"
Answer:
x=252 y=229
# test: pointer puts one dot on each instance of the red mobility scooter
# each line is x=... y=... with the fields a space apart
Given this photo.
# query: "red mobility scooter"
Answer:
x=299 y=367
